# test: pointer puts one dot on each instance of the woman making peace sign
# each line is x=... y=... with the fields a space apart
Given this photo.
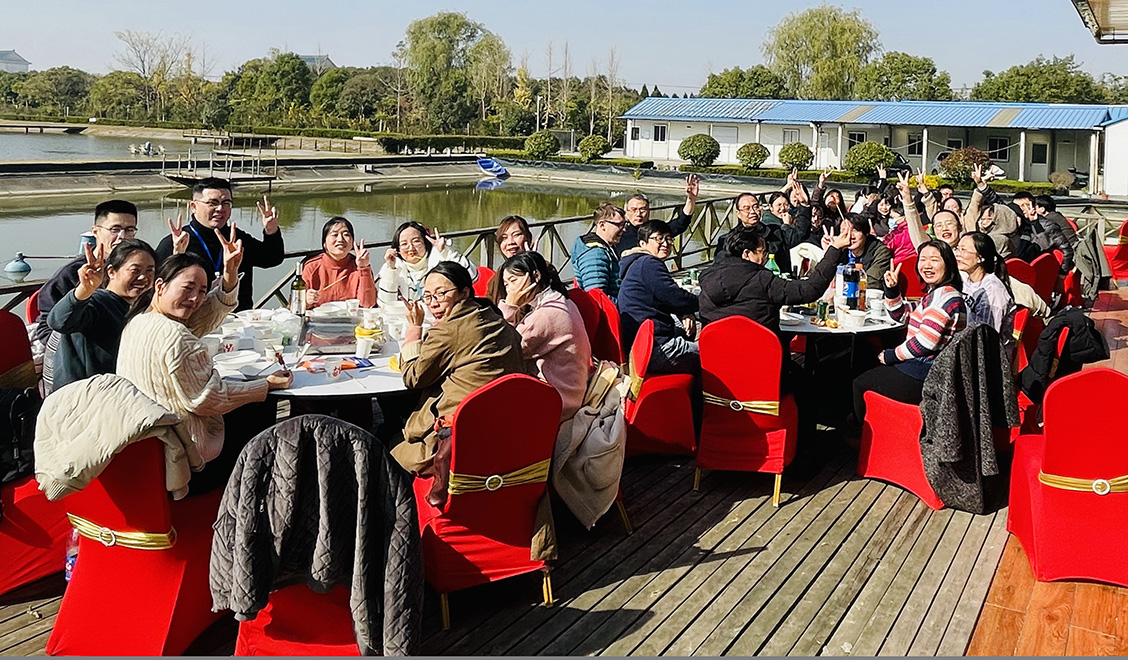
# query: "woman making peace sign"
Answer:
x=338 y=274
x=413 y=254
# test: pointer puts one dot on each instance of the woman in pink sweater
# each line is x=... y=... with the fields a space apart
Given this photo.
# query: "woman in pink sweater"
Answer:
x=338 y=274
x=552 y=331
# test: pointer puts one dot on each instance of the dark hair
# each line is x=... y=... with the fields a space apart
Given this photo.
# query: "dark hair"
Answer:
x=858 y=221
x=1022 y=194
x=1046 y=202
x=865 y=191
x=745 y=238
x=121 y=253
x=952 y=275
x=955 y=199
x=777 y=195
x=527 y=263
x=456 y=273
x=946 y=185
x=336 y=220
x=652 y=228
x=167 y=270
x=830 y=193
x=747 y=194
x=993 y=262
x=513 y=220
x=114 y=206
x=211 y=183
x=411 y=224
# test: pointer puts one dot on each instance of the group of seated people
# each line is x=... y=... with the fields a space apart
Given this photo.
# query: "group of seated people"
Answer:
x=126 y=308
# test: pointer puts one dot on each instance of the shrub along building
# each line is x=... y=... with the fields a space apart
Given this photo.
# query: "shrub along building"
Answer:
x=1028 y=141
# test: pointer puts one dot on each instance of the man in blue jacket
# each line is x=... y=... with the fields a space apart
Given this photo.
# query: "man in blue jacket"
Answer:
x=649 y=292
x=595 y=263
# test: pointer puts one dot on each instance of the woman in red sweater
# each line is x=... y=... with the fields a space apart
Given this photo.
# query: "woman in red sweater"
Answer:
x=338 y=274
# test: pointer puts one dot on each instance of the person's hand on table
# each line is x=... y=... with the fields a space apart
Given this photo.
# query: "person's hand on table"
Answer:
x=280 y=380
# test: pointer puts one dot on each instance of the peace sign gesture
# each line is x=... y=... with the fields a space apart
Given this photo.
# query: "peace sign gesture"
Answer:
x=269 y=216
x=903 y=185
x=977 y=174
x=922 y=186
x=90 y=274
x=824 y=176
x=179 y=236
x=438 y=241
x=892 y=276
x=362 y=258
x=232 y=257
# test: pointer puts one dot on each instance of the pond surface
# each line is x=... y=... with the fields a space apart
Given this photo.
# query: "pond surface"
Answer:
x=63 y=146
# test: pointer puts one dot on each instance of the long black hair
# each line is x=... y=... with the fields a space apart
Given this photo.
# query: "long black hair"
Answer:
x=411 y=225
x=952 y=275
x=166 y=272
x=992 y=261
x=527 y=263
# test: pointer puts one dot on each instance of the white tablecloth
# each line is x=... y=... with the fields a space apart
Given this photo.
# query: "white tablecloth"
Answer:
x=370 y=381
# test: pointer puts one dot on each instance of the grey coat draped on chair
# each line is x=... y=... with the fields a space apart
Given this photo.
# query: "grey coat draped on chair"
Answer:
x=317 y=500
x=968 y=393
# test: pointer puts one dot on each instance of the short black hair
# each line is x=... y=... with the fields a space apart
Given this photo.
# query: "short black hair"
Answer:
x=1046 y=202
x=211 y=183
x=777 y=195
x=455 y=272
x=747 y=194
x=1022 y=194
x=652 y=228
x=745 y=238
x=123 y=250
x=336 y=220
x=857 y=221
x=948 y=186
x=114 y=206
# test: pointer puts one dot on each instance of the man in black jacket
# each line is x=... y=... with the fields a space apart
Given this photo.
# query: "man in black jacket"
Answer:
x=637 y=211
x=211 y=209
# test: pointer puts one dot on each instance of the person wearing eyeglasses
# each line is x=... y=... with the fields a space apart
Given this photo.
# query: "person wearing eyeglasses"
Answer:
x=595 y=263
x=414 y=252
x=468 y=346
x=211 y=209
x=114 y=221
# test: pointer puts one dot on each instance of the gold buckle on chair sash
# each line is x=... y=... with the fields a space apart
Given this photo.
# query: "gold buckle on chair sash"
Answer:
x=761 y=407
x=134 y=540
x=1098 y=486
x=1123 y=240
x=469 y=483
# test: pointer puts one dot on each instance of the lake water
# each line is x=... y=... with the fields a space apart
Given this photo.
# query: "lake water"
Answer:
x=62 y=146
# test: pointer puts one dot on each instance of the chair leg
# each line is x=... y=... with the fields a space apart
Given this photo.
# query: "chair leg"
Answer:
x=444 y=607
x=775 y=491
x=696 y=479
x=546 y=587
x=623 y=515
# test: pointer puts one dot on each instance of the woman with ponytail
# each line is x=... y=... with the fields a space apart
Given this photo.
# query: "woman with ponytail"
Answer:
x=986 y=287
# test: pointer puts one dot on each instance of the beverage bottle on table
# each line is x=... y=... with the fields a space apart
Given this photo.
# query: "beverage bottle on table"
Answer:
x=861 y=288
x=850 y=284
x=772 y=265
x=298 y=292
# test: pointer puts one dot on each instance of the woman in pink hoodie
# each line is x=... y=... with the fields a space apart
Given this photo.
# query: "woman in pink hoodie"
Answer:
x=553 y=338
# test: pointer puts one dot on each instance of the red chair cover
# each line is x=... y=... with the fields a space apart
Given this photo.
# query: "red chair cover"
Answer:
x=33 y=534
x=1074 y=535
x=486 y=536
x=13 y=337
x=126 y=601
x=1046 y=269
x=741 y=361
x=1118 y=254
x=482 y=284
x=1073 y=224
x=590 y=312
x=660 y=415
x=890 y=449
x=1021 y=271
x=1072 y=288
x=909 y=279
x=32 y=310
x=297 y=621
x=611 y=338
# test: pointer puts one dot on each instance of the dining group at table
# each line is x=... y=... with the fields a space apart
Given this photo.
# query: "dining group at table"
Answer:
x=408 y=331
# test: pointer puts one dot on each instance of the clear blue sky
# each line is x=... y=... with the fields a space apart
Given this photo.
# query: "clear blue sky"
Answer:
x=671 y=44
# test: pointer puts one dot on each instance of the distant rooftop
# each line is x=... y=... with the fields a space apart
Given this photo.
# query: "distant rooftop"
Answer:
x=971 y=114
x=12 y=57
x=318 y=62
x=1106 y=19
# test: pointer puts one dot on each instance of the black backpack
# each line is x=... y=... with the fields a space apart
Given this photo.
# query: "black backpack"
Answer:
x=18 y=410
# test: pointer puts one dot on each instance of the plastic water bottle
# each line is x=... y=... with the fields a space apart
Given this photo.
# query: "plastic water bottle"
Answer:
x=772 y=265
x=72 y=553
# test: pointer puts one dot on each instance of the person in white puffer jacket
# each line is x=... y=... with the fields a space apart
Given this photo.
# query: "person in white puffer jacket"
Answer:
x=413 y=254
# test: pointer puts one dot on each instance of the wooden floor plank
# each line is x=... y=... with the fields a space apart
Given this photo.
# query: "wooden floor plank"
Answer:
x=1084 y=642
x=31 y=628
x=1013 y=584
x=1096 y=607
x=1046 y=628
x=690 y=586
x=33 y=646
x=958 y=635
x=997 y=632
x=30 y=613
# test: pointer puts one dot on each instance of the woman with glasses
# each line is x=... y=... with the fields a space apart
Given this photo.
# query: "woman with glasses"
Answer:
x=413 y=254
x=469 y=345
x=986 y=287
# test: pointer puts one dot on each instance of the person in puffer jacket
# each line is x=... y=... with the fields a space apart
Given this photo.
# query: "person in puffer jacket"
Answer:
x=594 y=260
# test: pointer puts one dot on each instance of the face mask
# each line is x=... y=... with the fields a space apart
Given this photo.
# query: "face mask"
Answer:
x=893 y=222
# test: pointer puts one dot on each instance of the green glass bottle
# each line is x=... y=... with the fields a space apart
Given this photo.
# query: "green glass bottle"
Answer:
x=772 y=265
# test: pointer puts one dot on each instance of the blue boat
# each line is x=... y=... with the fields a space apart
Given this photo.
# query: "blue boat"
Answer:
x=492 y=167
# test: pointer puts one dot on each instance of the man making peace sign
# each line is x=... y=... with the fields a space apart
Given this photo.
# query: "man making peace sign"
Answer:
x=211 y=210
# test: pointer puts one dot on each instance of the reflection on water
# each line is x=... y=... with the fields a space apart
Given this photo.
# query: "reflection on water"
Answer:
x=62 y=146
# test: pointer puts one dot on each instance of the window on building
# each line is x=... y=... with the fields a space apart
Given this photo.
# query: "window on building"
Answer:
x=955 y=143
x=660 y=133
x=916 y=144
x=885 y=140
x=790 y=135
x=998 y=148
x=1039 y=154
x=854 y=138
x=634 y=132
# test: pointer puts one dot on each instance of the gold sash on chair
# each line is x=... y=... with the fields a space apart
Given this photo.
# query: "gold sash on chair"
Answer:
x=133 y=540
x=1098 y=486
x=1123 y=240
x=461 y=484
x=760 y=407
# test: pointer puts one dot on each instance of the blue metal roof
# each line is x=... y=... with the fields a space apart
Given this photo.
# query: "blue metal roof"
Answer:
x=969 y=114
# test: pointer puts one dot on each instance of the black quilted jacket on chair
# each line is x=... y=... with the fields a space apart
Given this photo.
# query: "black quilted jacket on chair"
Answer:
x=317 y=500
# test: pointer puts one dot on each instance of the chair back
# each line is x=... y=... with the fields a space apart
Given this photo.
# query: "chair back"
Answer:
x=909 y=280
x=507 y=425
x=1046 y=268
x=482 y=284
x=13 y=337
x=1071 y=289
x=641 y=350
x=740 y=361
x=1020 y=358
x=1073 y=223
x=590 y=313
x=130 y=494
x=33 y=307
x=609 y=314
x=1084 y=429
x=1021 y=271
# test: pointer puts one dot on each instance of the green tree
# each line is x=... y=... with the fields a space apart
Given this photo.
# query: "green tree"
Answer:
x=902 y=77
x=515 y=119
x=117 y=94
x=361 y=95
x=437 y=50
x=284 y=83
x=326 y=90
x=700 y=149
x=757 y=82
x=795 y=154
x=54 y=89
x=1057 y=80
x=752 y=155
x=865 y=158
x=541 y=145
x=820 y=52
x=8 y=83
x=488 y=70
x=645 y=93
x=239 y=91
x=593 y=147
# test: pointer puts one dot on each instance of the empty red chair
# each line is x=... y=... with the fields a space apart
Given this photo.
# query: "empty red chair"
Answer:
x=890 y=449
x=1046 y=269
x=745 y=425
x=17 y=348
x=482 y=284
x=590 y=312
x=1071 y=289
x=297 y=621
x=909 y=280
x=483 y=532
x=1069 y=486
x=1118 y=254
x=32 y=310
x=658 y=411
x=140 y=585
x=1021 y=271
x=611 y=338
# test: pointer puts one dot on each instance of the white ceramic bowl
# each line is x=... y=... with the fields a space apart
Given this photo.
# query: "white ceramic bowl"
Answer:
x=851 y=318
x=236 y=359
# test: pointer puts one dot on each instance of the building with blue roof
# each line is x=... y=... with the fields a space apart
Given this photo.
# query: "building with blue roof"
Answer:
x=1027 y=140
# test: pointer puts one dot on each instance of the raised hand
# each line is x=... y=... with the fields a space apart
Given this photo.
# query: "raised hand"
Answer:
x=390 y=257
x=415 y=312
x=824 y=176
x=903 y=185
x=921 y=185
x=269 y=216
x=522 y=295
x=438 y=242
x=232 y=256
x=882 y=173
x=363 y=259
x=892 y=276
x=692 y=186
x=92 y=273
x=841 y=240
x=827 y=238
x=179 y=236
x=977 y=174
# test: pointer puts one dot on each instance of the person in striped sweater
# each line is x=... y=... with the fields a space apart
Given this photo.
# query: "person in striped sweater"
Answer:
x=939 y=315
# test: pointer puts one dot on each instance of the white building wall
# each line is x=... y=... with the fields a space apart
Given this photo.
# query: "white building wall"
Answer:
x=13 y=68
x=1115 y=180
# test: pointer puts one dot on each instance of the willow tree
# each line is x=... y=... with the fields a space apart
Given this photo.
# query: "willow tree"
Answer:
x=819 y=52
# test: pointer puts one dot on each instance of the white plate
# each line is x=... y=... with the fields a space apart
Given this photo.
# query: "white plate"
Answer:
x=790 y=318
x=260 y=369
x=236 y=359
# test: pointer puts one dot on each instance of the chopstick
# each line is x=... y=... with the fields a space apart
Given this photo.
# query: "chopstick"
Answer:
x=336 y=281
